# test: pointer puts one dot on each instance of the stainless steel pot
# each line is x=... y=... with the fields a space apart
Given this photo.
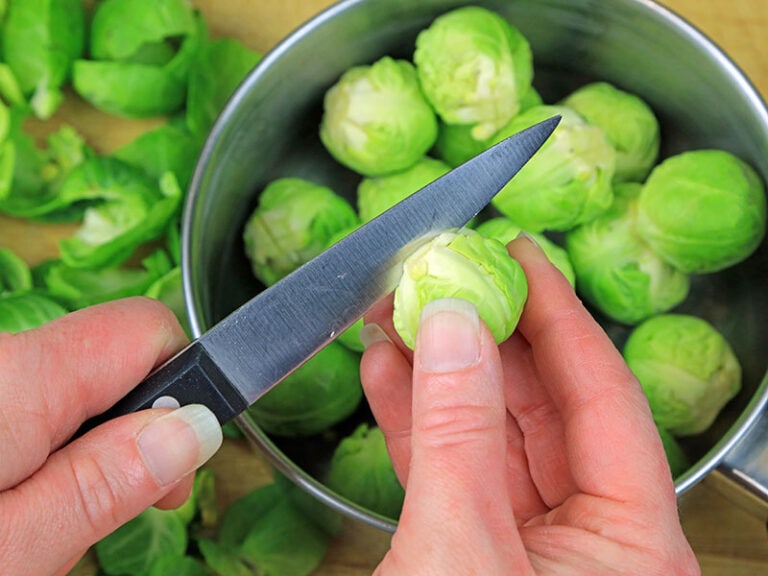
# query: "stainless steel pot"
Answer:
x=269 y=129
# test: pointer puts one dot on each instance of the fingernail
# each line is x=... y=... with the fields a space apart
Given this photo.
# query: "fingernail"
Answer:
x=531 y=239
x=449 y=335
x=179 y=442
x=372 y=333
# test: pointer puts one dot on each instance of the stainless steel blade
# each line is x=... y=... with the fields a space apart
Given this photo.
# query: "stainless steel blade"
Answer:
x=271 y=335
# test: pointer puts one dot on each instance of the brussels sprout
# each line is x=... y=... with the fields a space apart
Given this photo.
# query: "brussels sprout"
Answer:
x=676 y=457
x=461 y=264
x=568 y=182
x=687 y=370
x=362 y=472
x=702 y=210
x=474 y=68
x=40 y=41
x=504 y=230
x=616 y=270
x=319 y=394
x=629 y=123
x=293 y=222
x=377 y=194
x=455 y=143
x=376 y=120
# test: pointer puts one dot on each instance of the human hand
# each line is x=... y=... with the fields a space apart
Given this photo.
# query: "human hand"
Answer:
x=57 y=499
x=538 y=456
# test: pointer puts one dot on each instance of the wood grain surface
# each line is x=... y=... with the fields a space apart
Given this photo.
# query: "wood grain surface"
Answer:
x=727 y=540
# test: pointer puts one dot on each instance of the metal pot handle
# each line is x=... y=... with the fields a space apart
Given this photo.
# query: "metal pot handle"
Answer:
x=742 y=475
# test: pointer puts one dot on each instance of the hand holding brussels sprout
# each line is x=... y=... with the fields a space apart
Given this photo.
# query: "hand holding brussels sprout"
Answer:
x=554 y=412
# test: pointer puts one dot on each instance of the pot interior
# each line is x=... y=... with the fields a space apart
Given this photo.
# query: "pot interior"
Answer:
x=270 y=127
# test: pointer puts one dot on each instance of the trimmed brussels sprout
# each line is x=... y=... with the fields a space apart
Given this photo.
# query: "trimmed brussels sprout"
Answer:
x=702 y=210
x=455 y=143
x=629 y=123
x=687 y=370
x=474 y=68
x=376 y=120
x=292 y=224
x=362 y=472
x=378 y=194
x=504 y=230
x=461 y=264
x=320 y=393
x=616 y=270
x=567 y=182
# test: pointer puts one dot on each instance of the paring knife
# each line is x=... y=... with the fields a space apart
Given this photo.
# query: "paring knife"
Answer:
x=229 y=367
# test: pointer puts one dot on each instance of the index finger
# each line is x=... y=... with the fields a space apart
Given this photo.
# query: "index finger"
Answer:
x=613 y=445
x=55 y=377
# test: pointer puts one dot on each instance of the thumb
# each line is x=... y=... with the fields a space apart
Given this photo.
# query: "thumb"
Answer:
x=457 y=481
x=100 y=481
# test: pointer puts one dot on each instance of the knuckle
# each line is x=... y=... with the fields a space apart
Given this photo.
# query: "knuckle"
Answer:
x=452 y=426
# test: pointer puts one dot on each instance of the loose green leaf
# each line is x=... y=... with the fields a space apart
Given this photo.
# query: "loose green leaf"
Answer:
x=122 y=29
x=15 y=275
x=140 y=88
x=169 y=148
x=26 y=310
x=133 y=548
x=132 y=209
x=225 y=59
x=40 y=40
x=78 y=287
x=178 y=566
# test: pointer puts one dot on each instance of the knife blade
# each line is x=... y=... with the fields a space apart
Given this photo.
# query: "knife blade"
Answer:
x=247 y=353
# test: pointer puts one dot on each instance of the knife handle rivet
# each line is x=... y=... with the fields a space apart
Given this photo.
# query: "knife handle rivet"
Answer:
x=166 y=402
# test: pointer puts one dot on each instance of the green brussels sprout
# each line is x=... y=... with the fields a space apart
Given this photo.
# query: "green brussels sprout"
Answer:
x=676 y=457
x=629 y=123
x=319 y=394
x=702 y=210
x=687 y=369
x=362 y=472
x=568 y=182
x=504 y=230
x=378 y=194
x=376 y=120
x=461 y=264
x=455 y=143
x=474 y=67
x=616 y=270
x=292 y=224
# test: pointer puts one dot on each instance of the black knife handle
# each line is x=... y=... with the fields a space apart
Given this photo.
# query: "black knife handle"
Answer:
x=191 y=377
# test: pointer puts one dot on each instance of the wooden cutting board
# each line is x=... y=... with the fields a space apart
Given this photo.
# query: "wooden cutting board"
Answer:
x=727 y=540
